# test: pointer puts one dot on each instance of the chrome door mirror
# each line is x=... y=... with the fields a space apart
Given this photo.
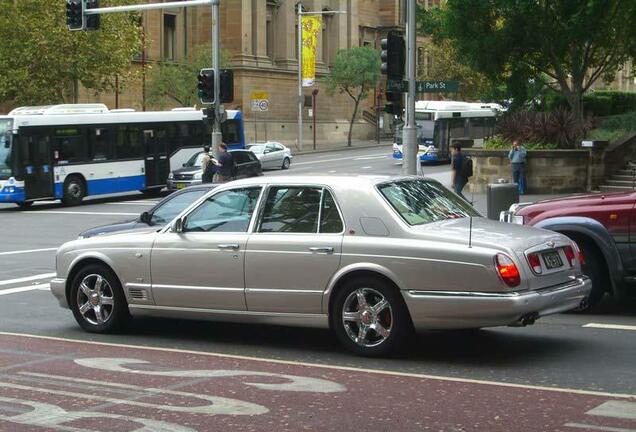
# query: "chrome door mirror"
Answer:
x=179 y=225
x=145 y=217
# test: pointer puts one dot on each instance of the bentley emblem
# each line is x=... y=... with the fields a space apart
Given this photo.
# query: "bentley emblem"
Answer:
x=551 y=244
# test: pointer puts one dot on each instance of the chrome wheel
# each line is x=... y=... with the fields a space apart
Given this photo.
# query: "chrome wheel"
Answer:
x=367 y=317
x=95 y=300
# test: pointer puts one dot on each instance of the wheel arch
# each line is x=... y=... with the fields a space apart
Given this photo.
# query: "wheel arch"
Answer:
x=82 y=261
x=349 y=273
x=593 y=232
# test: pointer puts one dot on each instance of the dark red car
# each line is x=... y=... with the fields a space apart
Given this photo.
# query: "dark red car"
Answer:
x=604 y=227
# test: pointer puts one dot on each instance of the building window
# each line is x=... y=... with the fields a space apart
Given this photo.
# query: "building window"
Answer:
x=169 y=36
x=326 y=25
x=269 y=30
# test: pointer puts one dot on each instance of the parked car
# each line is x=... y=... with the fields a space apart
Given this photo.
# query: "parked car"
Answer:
x=371 y=258
x=159 y=215
x=247 y=165
x=273 y=155
x=604 y=227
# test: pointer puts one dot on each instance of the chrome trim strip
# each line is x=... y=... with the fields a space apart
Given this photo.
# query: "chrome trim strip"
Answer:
x=281 y=291
x=228 y=312
x=191 y=287
x=462 y=294
x=138 y=285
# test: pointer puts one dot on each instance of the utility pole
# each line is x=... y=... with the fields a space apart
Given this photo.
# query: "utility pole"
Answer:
x=216 y=47
x=409 y=133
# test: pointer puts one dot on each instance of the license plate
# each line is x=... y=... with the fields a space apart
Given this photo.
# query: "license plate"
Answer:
x=180 y=185
x=552 y=260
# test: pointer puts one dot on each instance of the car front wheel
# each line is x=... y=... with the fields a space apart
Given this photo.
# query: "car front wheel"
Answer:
x=370 y=318
x=97 y=300
x=286 y=163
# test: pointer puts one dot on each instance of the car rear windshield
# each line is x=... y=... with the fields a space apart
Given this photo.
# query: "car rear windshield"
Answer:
x=422 y=201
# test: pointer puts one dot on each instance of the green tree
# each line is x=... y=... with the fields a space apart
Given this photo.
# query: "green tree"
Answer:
x=173 y=83
x=574 y=43
x=354 y=72
x=42 y=62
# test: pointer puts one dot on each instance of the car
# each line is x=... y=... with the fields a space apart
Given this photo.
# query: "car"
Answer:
x=602 y=224
x=247 y=165
x=372 y=258
x=159 y=215
x=273 y=155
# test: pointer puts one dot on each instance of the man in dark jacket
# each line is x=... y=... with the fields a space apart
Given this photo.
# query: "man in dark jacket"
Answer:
x=459 y=180
x=225 y=165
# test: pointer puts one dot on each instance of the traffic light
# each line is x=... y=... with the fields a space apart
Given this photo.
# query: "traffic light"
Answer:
x=394 y=103
x=227 y=86
x=393 y=56
x=205 y=86
x=92 y=21
x=75 y=14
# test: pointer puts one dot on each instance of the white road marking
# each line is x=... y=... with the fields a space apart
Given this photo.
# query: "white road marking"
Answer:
x=131 y=203
x=371 y=157
x=598 y=428
x=610 y=326
x=27 y=279
x=366 y=167
x=79 y=213
x=329 y=160
x=334 y=367
x=41 y=287
x=18 y=252
x=332 y=172
x=615 y=409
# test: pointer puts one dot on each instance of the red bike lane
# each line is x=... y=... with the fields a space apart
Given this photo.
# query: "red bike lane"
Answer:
x=54 y=384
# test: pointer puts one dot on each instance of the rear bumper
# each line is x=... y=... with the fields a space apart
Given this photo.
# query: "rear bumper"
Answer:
x=58 y=289
x=454 y=310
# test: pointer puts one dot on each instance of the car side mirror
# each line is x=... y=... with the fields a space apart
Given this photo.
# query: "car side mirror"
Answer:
x=179 y=225
x=145 y=217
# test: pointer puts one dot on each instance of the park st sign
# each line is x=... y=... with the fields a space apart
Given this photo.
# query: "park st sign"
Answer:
x=424 y=86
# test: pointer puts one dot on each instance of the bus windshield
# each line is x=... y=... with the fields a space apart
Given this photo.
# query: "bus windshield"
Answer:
x=5 y=149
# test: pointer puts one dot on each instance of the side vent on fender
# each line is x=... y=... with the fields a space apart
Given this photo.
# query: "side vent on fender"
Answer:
x=138 y=294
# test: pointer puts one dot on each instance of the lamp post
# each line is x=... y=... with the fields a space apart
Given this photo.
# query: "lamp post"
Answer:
x=313 y=113
x=301 y=101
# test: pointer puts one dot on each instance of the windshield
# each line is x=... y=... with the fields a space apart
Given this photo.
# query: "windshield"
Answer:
x=5 y=148
x=422 y=201
x=196 y=160
x=171 y=208
x=257 y=149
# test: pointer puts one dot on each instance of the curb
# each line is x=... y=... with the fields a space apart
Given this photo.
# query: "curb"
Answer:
x=337 y=149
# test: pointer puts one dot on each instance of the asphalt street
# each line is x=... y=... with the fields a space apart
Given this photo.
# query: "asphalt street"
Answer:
x=577 y=362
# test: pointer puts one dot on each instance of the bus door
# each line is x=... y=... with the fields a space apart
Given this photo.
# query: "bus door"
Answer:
x=157 y=164
x=36 y=165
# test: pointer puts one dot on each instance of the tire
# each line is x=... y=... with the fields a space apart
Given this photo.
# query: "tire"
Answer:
x=109 y=298
x=152 y=192
x=393 y=317
x=286 y=163
x=74 y=191
x=593 y=268
x=25 y=204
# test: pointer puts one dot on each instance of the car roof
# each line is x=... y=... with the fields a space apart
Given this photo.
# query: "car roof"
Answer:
x=327 y=180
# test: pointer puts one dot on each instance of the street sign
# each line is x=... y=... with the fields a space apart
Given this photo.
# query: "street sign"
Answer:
x=259 y=101
x=423 y=86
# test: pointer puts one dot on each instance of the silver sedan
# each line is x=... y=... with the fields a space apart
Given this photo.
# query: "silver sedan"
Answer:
x=371 y=258
x=273 y=155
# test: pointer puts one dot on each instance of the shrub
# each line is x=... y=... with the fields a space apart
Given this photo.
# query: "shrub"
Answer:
x=600 y=103
x=499 y=143
x=615 y=127
x=558 y=128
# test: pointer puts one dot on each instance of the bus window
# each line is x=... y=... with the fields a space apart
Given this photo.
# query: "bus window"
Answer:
x=101 y=140
x=70 y=145
x=129 y=144
x=231 y=131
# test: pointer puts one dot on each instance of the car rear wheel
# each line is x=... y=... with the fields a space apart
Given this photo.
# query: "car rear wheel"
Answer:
x=370 y=318
x=74 y=191
x=25 y=204
x=97 y=300
x=286 y=163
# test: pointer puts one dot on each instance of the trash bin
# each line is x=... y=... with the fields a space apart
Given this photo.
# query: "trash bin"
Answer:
x=500 y=196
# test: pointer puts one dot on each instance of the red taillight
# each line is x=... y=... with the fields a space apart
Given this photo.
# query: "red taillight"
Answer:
x=570 y=255
x=507 y=270
x=535 y=262
x=579 y=252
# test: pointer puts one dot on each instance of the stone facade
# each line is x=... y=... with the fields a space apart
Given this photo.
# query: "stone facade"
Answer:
x=548 y=171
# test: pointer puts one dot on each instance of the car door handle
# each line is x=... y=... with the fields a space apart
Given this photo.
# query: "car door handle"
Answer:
x=232 y=247
x=325 y=250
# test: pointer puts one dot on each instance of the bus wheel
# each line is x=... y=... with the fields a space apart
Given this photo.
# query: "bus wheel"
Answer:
x=25 y=204
x=74 y=191
x=152 y=192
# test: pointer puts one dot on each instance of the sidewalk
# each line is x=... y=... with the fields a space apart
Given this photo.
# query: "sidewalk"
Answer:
x=328 y=146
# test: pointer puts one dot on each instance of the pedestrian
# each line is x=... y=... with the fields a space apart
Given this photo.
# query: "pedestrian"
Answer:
x=208 y=168
x=517 y=158
x=459 y=177
x=225 y=165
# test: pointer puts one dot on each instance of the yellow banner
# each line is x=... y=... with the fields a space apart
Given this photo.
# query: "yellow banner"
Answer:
x=311 y=25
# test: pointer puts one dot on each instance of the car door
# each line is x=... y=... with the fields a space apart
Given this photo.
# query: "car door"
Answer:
x=268 y=161
x=294 y=251
x=201 y=267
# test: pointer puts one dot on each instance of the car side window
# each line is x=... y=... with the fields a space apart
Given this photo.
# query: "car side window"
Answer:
x=291 y=209
x=228 y=211
x=330 y=221
x=172 y=207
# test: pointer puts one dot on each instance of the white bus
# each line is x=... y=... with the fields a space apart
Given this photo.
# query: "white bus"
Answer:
x=68 y=152
x=441 y=123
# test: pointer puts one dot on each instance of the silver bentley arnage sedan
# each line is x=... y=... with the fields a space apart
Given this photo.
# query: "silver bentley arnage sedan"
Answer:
x=371 y=258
